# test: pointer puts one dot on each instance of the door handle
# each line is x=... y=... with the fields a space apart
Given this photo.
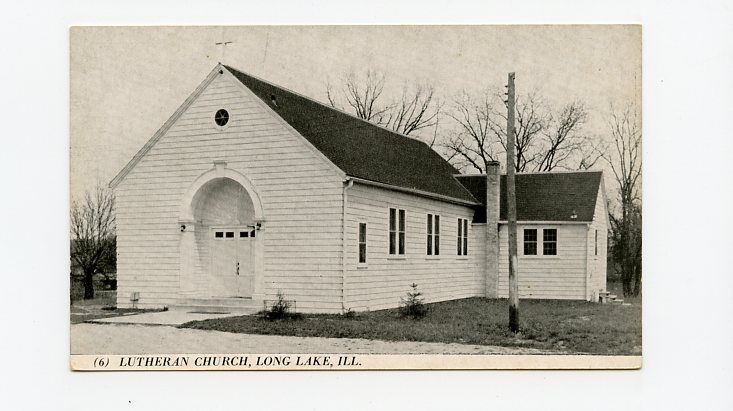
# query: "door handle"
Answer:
x=237 y=267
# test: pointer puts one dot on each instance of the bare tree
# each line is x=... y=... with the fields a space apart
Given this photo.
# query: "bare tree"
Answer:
x=93 y=234
x=416 y=109
x=532 y=118
x=544 y=140
x=362 y=95
x=473 y=144
x=625 y=161
x=562 y=139
x=590 y=153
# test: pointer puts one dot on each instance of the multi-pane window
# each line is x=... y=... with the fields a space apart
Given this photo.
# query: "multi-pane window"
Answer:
x=436 y=235
x=231 y=234
x=396 y=231
x=362 y=243
x=549 y=241
x=433 y=234
x=530 y=241
x=462 y=237
x=596 y=243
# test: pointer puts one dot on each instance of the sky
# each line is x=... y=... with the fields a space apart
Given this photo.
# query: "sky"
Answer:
x=127 y=81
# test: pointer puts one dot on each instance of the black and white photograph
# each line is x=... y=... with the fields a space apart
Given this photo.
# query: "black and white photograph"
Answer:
x=305 y=196
x=366 y=205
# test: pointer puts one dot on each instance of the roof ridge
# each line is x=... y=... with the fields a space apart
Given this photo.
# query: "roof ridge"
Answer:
x=533 y=172
x=313 y=100
x=558 y=172
x=337 y=133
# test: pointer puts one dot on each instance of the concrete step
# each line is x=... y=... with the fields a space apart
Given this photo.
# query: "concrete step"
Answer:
x=208 y=309
x=219 y=304
x=233 y=302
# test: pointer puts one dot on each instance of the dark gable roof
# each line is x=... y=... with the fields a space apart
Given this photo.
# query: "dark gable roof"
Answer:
x=543 y=196
x=361 y=149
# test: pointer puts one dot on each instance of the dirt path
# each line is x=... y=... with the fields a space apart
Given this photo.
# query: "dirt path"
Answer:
x=146 y=339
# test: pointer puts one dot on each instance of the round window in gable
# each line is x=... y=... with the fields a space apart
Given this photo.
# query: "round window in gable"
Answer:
x=221 y=118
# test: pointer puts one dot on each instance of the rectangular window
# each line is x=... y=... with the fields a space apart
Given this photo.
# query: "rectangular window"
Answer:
x=459 y=238
x=462 y=237
x=549 y=241
x=219 y=234
x=596 y=243
x=230 y=234
x=396 y=231
x=362 y=243
x=436 y=235
x=530 y=241
x=430 y=234
x=401 y=226
x=433 y=234
x=392 y=231
x=243 y=234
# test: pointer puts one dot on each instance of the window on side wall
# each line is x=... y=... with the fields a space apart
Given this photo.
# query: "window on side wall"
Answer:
x=530 y=241
x=549 y=241
x=433 y=234
x=596 y=243
x=436 y=235
x=430 y=234
x=462 y=237
x=362 y=243
x=396 y=231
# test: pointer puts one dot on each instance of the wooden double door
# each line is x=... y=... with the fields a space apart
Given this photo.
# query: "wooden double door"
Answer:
x=232 y=261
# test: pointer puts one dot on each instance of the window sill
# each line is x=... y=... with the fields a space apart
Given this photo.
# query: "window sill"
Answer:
x=432 y=257
x=361 y=266
x=397 y=258
x=539 y=257
x=462 y=258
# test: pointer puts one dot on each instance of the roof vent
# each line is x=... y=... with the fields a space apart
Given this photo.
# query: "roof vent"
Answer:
x=274 y=100
x=574 y=216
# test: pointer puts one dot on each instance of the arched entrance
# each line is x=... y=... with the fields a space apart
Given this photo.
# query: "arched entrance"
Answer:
x=221 y=218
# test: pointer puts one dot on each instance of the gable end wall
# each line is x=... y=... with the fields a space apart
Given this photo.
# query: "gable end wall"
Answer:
x=300 y=192
x=597 y=263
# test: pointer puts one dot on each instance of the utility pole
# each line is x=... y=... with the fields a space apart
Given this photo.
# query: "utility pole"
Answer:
x=511 y=201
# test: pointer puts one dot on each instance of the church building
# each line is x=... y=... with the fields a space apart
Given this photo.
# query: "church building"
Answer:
x=250 y=189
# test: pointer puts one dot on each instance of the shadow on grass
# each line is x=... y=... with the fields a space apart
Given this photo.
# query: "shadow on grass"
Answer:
x=567 y=326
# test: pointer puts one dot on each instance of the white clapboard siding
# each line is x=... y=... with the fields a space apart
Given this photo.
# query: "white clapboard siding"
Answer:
x=385 y=279
x=301 y=195
x=562 y=276
x=597 y=263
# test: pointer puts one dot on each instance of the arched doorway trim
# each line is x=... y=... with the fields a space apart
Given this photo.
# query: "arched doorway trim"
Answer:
x=219 y=170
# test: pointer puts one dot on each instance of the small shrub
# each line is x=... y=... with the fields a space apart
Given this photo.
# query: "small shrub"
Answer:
x=349 y=313
x=280 y=309
x=412 y=306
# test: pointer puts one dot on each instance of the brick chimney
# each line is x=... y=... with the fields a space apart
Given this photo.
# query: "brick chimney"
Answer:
x=492 y=228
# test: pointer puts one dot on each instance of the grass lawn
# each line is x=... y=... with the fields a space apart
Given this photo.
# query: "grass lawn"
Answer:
x=569 y=326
